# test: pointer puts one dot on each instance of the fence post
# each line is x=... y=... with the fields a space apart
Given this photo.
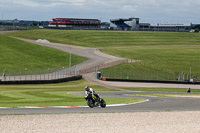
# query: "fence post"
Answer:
x=174 y=76
x=9 y=77
x=65 y=73
x=58 y=77
x=163 y=76
x=40 y=74
x=36 y=76
x=48 y=73
x=14 y=75
x=31 y=75
x=157 y=75
x=60 y=73
x=55 y=75
x=25 y=73
x=20 y=75
x=44 y=75
x=4 y=74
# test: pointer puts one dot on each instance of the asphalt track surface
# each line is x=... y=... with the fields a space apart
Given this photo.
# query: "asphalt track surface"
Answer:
x=96 y=58
x=151 y=104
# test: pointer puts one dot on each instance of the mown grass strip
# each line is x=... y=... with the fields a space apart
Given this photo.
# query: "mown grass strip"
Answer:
x=51 y=95
x=92 y=38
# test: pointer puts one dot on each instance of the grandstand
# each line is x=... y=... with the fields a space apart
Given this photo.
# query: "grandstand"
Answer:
x=124 y=24
x=74 y=23
x=134 y=24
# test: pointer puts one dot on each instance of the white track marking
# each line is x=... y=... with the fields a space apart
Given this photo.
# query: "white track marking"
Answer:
x=115 y=105
x=65 y=107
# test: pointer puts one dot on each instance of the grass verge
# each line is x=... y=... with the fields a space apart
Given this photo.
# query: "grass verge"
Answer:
x=171 y=95
x=144 y=89
x=158 y=52
x=18 y=55
x=92 y=38
x=51 y=95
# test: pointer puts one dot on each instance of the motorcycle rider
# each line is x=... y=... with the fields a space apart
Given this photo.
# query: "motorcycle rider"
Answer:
x=89 y=92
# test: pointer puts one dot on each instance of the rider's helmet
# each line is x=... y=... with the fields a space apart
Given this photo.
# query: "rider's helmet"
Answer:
x=86 y=88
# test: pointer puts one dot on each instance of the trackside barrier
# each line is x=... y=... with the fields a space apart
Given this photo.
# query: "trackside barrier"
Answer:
x=38 y=75
x=49 y=75
x=151 y=81
x=78 y=77
x=146 y=76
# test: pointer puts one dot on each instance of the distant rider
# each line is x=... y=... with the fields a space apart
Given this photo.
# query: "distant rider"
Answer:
x=188 y=91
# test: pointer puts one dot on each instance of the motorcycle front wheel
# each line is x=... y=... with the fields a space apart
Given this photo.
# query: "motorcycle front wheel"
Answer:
x=90 y=103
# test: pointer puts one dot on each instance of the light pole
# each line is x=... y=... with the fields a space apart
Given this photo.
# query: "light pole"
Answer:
x=4 y=74
x=190 y=72
x=25 y=72
x=48 y=73
x=70 y=57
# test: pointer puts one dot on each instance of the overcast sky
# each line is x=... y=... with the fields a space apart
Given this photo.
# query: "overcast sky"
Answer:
x=152 y=11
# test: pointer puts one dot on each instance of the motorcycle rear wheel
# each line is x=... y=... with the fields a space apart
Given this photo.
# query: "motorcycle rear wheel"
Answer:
x=102 y=103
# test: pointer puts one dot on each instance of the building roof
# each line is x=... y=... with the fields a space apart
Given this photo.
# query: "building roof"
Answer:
x=123 y=19
x=74 y=19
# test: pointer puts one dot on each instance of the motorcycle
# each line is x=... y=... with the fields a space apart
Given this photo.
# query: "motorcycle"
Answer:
x=93 y=100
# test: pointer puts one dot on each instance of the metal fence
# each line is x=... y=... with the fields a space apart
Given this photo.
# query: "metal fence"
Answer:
x=51 y=74
x=160 y=76
x=97 y=67
x=14 y=27
x=164 y=29
x=59 y=73
x=31 y=75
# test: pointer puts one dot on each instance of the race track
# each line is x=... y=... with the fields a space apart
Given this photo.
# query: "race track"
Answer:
x=151 y=104
x=96 y=58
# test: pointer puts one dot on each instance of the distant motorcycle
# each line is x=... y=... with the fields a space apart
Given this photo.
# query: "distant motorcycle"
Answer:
x=95 y=101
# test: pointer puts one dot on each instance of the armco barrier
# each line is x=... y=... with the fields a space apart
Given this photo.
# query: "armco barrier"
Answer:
x=78 y=77
x=151 y=81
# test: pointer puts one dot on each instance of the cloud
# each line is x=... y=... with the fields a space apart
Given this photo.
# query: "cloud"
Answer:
x=147 y=10
x=14 y=3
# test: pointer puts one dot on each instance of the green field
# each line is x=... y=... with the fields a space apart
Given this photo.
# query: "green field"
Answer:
x=18 y=55
x=162 y=62
x=92 y=38
x=51 y=95
x=156 y=52
x=165 y=92
x=169 y=52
